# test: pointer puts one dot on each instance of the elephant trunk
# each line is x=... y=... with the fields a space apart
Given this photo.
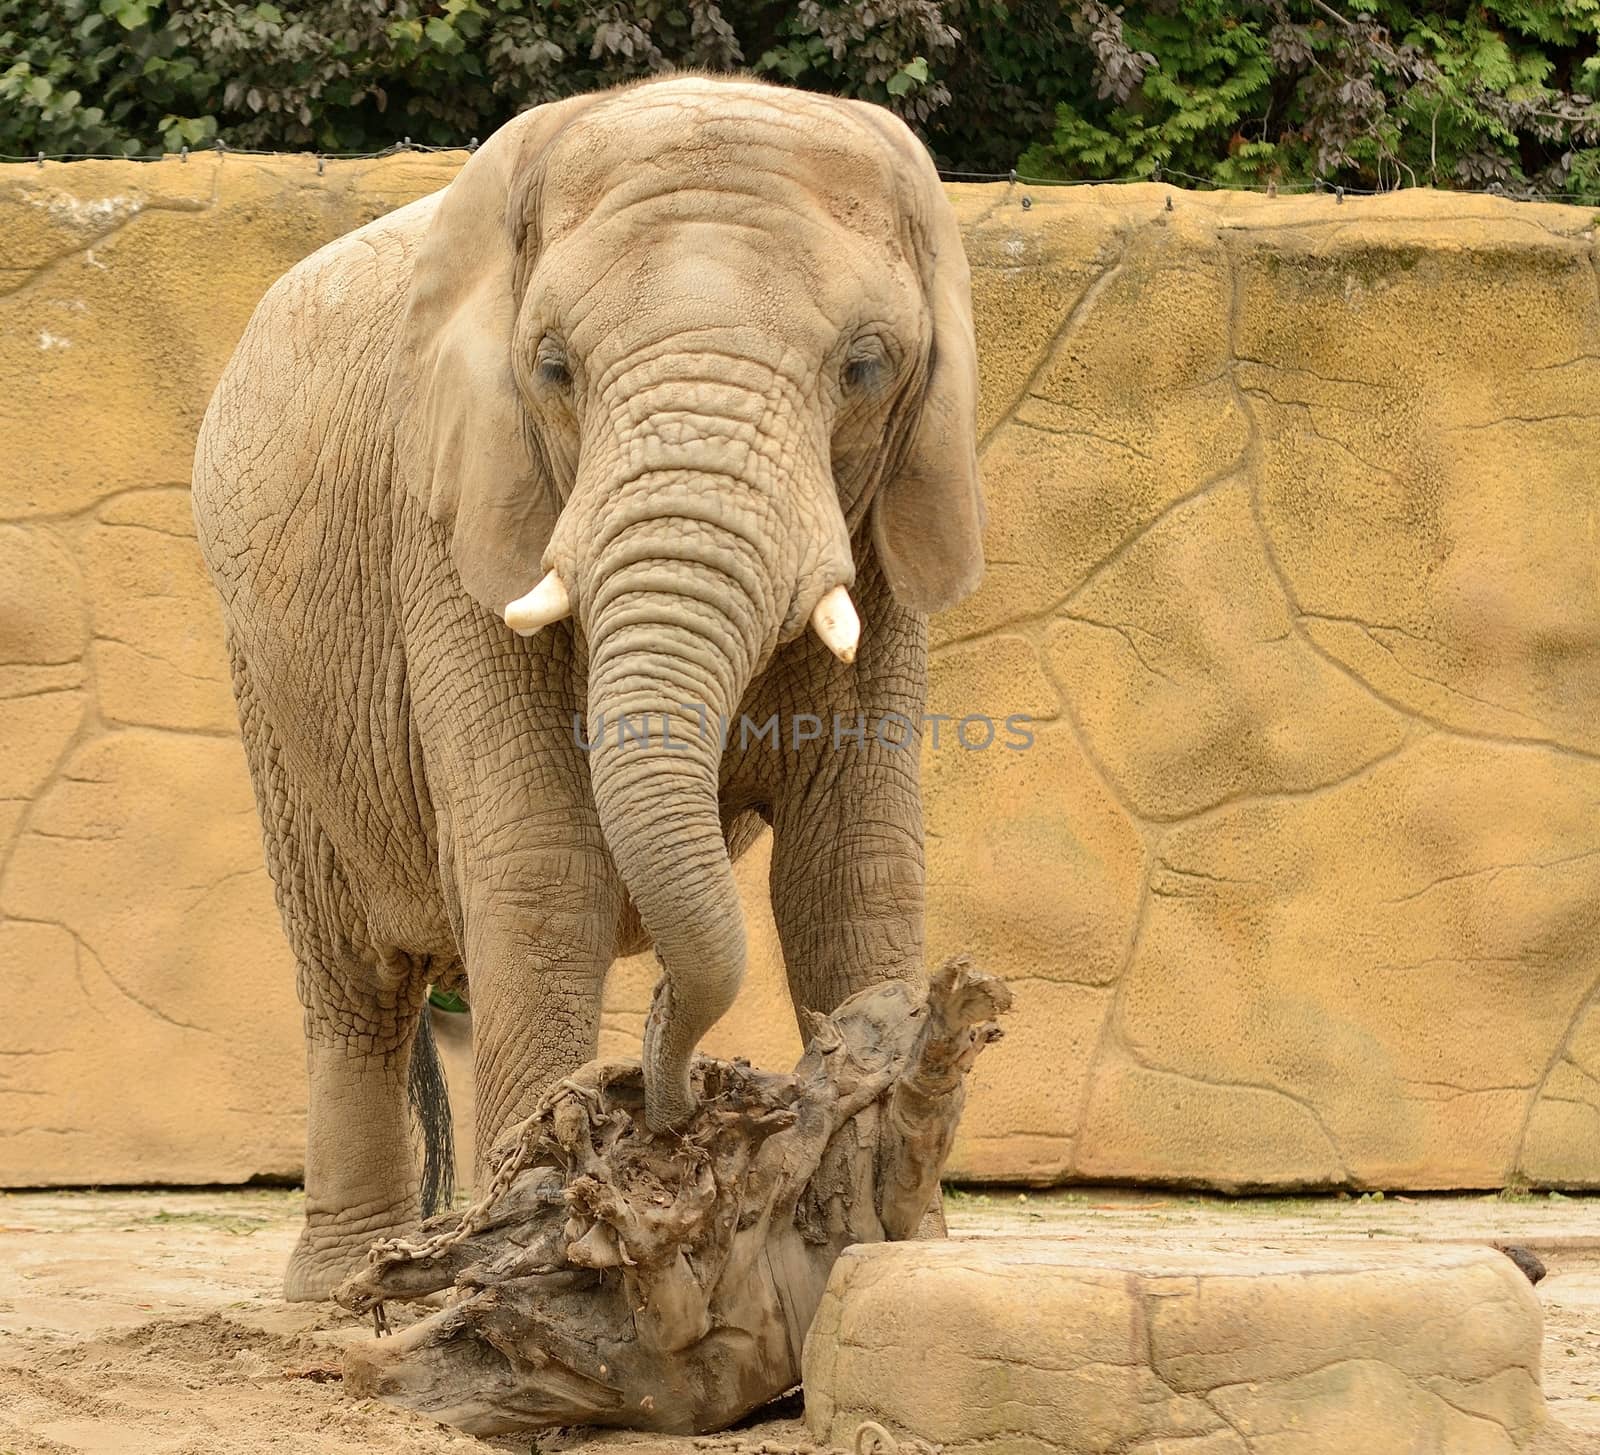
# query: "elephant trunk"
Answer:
x=678 y=615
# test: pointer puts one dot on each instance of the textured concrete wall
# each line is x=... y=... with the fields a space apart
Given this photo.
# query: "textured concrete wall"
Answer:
x=1292 y=556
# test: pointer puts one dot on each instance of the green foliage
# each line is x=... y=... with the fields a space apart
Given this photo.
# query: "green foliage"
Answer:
x=136 y=76
x=1493 y=94
x=1364 y=93
x=883 y=50
x=1017 y=61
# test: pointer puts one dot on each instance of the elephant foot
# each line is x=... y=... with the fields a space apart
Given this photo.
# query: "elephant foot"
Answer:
x=325 y=1256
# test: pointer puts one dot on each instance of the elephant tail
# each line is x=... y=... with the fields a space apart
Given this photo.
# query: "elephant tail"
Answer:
x=430 y=1103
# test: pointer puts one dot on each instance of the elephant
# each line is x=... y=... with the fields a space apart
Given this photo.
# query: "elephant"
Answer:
x=523 y=503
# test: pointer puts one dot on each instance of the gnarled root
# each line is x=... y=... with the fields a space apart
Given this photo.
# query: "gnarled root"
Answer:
x=614 y=1276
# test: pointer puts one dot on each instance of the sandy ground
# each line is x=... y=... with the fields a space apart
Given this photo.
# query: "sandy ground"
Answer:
x=149 y=1323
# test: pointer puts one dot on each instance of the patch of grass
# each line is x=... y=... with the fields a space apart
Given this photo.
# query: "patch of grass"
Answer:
x=240 y=1225
x=964 y=1196
x=1268 y=1207
x=1522 y=1193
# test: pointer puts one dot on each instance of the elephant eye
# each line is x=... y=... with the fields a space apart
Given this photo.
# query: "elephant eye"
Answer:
x=550 y=363
x=865 y=365
x=861 y=373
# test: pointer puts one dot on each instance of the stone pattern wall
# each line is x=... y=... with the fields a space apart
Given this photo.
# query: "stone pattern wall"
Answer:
x=1292 y=559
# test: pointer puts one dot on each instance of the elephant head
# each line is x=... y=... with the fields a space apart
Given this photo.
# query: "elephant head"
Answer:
x=674 y=357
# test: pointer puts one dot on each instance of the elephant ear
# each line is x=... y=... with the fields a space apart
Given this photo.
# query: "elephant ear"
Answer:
x=460 y=431
x=928 y=518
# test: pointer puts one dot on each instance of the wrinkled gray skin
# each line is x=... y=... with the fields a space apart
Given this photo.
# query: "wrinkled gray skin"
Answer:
x=705 y=349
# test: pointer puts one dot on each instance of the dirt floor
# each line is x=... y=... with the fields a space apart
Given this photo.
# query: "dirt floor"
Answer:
x=149 y=1323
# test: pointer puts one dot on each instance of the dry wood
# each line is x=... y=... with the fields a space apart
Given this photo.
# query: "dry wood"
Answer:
x=615 y=1276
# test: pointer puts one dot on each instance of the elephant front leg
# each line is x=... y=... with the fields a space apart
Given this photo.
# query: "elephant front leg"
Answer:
x=362 y=1181
x=847 y=872
x=848 y=883
x=540 y=933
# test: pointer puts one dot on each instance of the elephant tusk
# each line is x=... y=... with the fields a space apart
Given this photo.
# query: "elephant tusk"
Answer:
x=834 y=619
x=547 y=602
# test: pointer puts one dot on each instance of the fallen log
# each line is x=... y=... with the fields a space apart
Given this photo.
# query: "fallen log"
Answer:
x=615 y=1276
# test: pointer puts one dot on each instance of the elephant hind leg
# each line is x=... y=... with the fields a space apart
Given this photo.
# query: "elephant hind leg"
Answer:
x=361 y=1009
x=362 y=1180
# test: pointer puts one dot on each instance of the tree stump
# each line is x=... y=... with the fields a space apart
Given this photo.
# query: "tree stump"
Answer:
x=615 y=1276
